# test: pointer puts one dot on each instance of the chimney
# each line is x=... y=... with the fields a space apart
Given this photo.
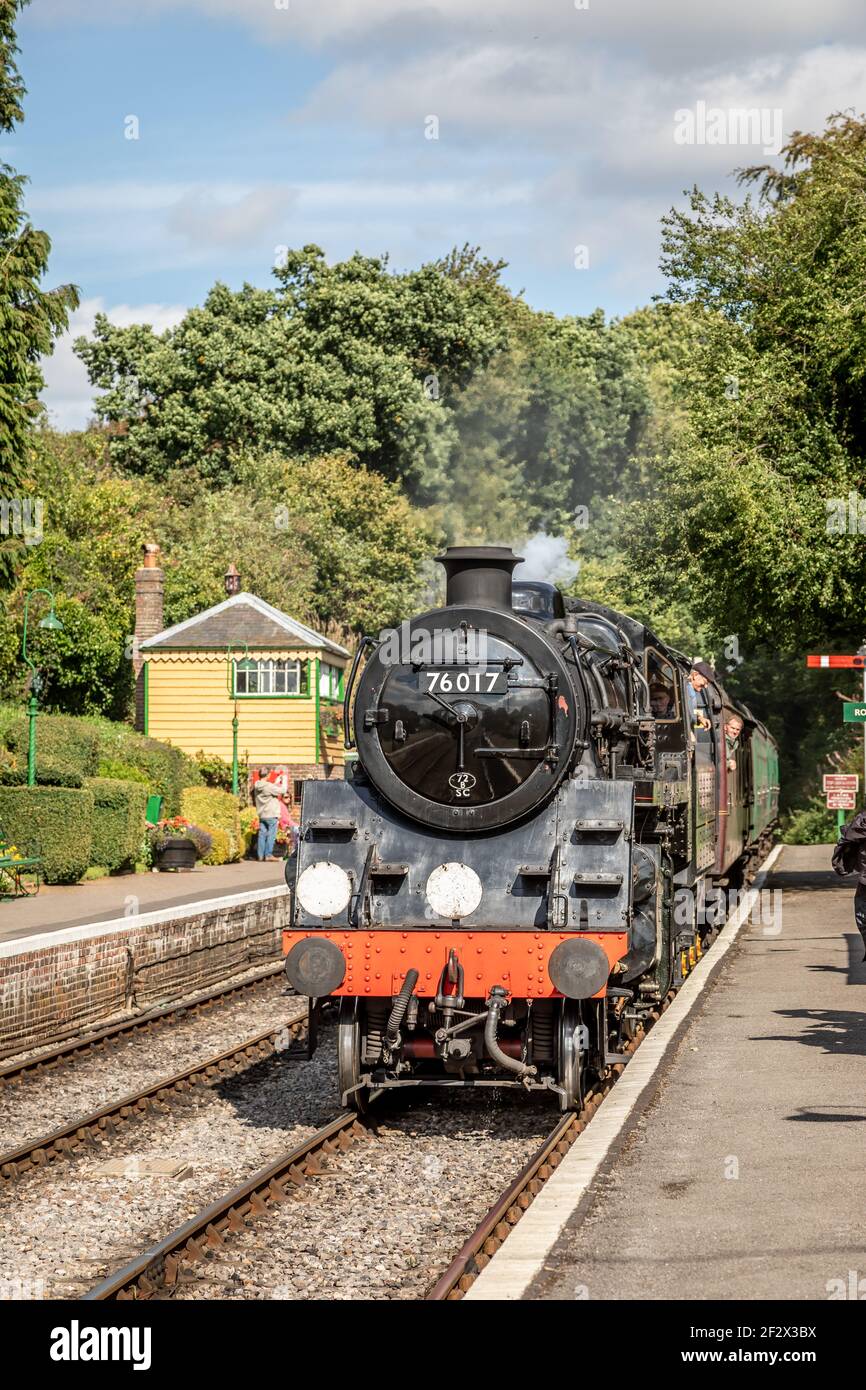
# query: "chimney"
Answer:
x=149 y=592
x=232 y=581
x=479 y=575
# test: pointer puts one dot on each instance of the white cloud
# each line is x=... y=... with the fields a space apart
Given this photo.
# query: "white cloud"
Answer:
x=667 y=32
x=206 y=220
x=68 y=395
x=556 y=129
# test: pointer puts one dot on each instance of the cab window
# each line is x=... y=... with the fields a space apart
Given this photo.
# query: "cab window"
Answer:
x=661 y=680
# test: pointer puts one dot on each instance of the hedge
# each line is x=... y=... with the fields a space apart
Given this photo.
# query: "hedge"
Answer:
x=167 y=770
x=54 y=822
x=214 y=810
x=118 y=822
x=46 y=776
x=220 y=850
x=96 y=747
x=61 y=739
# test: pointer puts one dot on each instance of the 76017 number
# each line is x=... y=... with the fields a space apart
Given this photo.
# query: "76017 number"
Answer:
x=464 y=682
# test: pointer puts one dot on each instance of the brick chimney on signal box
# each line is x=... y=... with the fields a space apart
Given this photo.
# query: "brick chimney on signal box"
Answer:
x=149 y=592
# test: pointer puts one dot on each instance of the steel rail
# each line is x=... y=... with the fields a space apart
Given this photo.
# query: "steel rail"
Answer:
x=84 y=1044
x=83 y=1130
x=158 y=1269
x=496 y=1224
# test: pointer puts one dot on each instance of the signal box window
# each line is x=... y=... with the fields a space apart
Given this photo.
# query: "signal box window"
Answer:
x=330 y=682
x=265 y=677
x=662 y=687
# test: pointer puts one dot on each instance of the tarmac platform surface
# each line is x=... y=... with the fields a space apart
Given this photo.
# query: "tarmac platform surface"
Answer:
x=740 y=1171
x=105 y=899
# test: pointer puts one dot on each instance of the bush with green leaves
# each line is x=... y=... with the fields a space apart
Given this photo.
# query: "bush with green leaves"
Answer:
x=220 y=850
x=92 y=746
x=46 y=776
x=812 y=824
x=118 y=822
x=55 y=823
x=215 y=771
x=123 y=772
x=61 y=741
x=215 y=810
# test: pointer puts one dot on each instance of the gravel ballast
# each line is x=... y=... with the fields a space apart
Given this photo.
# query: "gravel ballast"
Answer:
x=382 y=1222
x=43 y=1102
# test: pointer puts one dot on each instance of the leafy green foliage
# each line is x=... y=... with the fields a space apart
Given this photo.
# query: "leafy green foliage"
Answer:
x=30 y=317
x=118 y=822
x=60 y=740
x=47 y=775
x=550 y=422
x=55 y=823
x=94 y=525
x=215 y=771
x=332 y=544
x=91 y=746
x=335 y=358
x=775 y=394
x=812 y=824
x=217 y=812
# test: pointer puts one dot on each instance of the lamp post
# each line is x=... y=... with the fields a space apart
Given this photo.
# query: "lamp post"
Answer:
x=53 y=624
x=232 y=687
x=861 y=651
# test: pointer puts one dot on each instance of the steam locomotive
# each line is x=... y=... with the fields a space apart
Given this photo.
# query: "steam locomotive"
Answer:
x=512 y=879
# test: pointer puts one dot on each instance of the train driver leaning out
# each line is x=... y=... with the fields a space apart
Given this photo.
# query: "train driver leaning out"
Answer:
x=696 y=690
x=733 y=729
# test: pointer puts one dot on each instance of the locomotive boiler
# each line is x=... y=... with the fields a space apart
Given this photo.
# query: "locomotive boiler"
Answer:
x=512 y=878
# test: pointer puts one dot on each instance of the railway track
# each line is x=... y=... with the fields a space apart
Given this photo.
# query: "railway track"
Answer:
x=505 y=1213
x=160 y=1268
x=102 y=1039
x=177 y=1260
x=172 y=1261
x=82 y=1132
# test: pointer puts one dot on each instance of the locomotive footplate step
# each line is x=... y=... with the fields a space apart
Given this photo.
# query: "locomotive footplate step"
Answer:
x=736 y=1172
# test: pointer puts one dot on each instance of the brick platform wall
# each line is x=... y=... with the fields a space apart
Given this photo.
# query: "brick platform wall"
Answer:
x=77 y=978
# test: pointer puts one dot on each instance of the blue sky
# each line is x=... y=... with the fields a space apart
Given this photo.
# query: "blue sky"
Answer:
x=278 y=122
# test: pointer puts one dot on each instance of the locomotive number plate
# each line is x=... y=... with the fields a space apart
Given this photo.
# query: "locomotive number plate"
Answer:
x=460 y=681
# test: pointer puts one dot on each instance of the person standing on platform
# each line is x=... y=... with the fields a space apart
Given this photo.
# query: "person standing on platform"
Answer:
x=849 y=857
x=268 y=805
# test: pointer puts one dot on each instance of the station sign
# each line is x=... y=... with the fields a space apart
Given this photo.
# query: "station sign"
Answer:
x=841 y=782
x=854 y=712
x=841 y=801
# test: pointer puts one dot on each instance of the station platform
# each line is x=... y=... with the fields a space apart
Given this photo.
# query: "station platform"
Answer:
x=125 y=895
x=731 y=1165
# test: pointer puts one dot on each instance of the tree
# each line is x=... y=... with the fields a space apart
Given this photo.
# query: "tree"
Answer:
x=30 y=317
x=330 y=543
x=749 y=500
x=93 y=527
x=347 y=358
x=552 y=421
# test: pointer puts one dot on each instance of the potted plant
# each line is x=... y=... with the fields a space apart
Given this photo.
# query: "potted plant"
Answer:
x=283 y=843
x=177 y=844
